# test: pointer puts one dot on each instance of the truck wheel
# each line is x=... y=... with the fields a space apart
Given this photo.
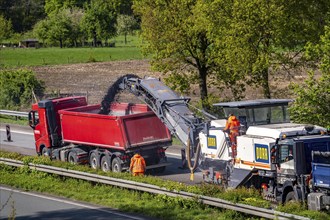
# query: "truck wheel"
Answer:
x=45 y=152
x=93 y=161
x=105 y=164
x=290 y=197
x=116 y=165
x=72 y=158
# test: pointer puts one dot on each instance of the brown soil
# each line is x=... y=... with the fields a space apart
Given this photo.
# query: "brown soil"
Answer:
x=94 y=79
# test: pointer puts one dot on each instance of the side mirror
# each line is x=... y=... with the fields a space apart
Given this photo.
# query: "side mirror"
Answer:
x=274 y=154
x=31 y=119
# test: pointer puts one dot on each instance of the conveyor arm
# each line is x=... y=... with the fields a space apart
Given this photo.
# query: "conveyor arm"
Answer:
x=172 y=110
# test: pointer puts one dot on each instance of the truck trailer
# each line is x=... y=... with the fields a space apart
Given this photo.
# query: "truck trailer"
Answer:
x=68 y=129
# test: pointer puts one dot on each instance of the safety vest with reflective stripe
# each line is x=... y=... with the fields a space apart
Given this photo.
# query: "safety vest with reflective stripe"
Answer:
x=138 y=164
x=233 y=124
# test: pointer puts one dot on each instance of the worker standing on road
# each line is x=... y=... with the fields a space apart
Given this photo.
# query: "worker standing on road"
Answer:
x=138 y=165
x=233 y=125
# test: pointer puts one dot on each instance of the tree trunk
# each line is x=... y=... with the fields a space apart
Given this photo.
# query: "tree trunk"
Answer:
x=94 y=39
x=265 y=83
x=61 y=43
x=125 y=38
x=203 y=86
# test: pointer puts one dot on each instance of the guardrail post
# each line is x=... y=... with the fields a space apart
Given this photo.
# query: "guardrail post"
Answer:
x=8 y=133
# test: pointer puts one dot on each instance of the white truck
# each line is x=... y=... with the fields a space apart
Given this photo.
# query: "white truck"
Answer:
x=273 y=154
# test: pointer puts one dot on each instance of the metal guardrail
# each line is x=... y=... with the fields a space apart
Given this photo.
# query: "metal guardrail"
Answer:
x=14 y=113
x=215 y=202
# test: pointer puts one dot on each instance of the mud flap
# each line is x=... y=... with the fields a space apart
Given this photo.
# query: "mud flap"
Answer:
x=238 y=177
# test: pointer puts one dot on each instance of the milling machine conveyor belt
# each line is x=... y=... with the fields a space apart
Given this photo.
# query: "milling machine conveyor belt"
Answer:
x=168 y=106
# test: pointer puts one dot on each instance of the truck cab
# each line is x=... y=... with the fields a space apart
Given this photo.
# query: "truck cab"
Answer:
x=298 y=174
x=319 y=184
x=273 y=154
x=45 y=121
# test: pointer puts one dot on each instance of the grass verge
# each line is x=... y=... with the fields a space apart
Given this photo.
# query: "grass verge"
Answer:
x=242 y=195
x=157 y=206
x=4 y=119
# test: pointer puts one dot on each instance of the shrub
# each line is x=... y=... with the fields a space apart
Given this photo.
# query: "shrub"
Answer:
x=18 y=87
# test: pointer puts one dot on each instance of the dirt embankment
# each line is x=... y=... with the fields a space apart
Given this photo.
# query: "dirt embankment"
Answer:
x=94 y=79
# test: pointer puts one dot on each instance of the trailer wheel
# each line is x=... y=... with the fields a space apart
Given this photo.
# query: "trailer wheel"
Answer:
x=72 y=158
x=290 y=197
x=105 y=164
x=93 y=161
x=116 y=165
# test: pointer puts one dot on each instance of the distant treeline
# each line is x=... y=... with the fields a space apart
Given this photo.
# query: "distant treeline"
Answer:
x=66 y=22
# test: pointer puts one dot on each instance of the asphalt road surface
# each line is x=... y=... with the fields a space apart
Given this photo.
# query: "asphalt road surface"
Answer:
x=23 y=142
x=28 y=206
x=36 y=206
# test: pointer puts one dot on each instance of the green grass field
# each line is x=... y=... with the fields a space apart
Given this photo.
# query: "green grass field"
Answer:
x=18 y=57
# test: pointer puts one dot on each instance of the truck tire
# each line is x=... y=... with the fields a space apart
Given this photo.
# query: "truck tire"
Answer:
x=290 y=197
x=105 y=164
x=93 y=160
x=116 y=165
x=72 y=158
x=45 y=152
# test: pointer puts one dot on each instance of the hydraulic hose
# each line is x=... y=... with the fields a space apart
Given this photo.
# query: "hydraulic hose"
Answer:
x=197 y=154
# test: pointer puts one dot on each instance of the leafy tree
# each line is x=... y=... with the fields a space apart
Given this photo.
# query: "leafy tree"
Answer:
x=23 y=13
x=17 y=87
x=100 y=18
x=5 y=28
x=125 y=7
x=257 y=37
x=76 y=34
x=126 y=24
x=177 y=39
x=40 y=30
x=62 y=27
x=59 y=27
x=54 y=6
x=313 y=97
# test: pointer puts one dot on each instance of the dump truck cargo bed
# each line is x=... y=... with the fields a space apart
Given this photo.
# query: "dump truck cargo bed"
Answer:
x=127 y=126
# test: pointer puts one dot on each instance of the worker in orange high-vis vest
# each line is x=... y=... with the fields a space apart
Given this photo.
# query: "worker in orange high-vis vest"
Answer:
x=138 y=165
x=233 y=126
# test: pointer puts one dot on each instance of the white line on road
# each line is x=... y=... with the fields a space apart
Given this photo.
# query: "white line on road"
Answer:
x=71 y=203
x=18 y=132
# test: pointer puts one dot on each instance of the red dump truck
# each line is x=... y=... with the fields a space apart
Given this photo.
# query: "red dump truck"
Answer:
x=70 y=130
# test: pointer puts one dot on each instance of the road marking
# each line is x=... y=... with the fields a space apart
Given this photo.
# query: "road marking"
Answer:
x=173 y=154
x=71 y=203
x=18 y=132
